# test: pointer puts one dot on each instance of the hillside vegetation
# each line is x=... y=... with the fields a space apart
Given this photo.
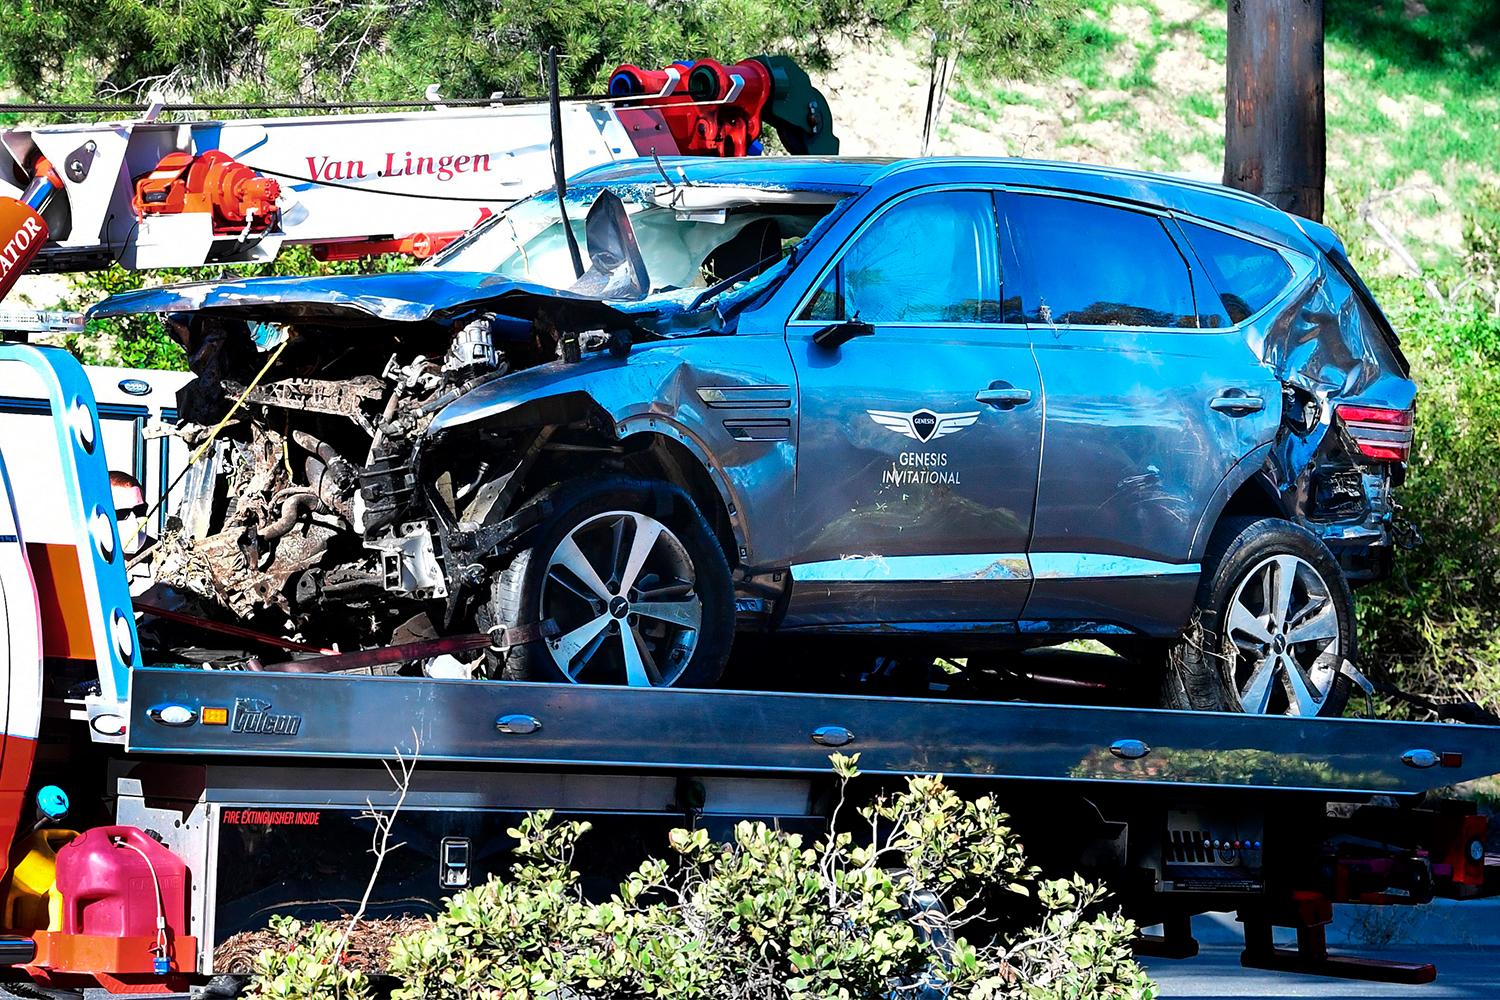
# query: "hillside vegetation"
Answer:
x=246 y=50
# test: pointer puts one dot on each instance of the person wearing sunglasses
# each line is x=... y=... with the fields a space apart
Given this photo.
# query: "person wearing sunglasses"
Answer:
x=130 y=511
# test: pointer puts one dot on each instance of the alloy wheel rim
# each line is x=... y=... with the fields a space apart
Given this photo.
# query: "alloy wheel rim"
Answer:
x=1283 y=625
x=622 y=589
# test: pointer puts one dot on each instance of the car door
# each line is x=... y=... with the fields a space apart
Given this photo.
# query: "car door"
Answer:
x=919 y=437
x=1147 y=411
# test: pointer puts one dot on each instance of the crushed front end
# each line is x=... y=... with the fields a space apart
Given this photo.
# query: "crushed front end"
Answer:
x=319 y=506
x=308 y=513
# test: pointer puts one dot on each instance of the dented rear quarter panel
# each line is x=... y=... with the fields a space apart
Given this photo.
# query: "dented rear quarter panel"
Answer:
x=1327 y=346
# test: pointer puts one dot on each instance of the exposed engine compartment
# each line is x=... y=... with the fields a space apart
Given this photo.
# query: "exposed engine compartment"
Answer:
x=305 y=515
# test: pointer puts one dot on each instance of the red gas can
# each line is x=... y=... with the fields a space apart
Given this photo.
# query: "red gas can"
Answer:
x=115 y=879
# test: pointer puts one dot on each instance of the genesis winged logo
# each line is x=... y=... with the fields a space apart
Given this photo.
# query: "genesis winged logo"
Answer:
x=923 y=425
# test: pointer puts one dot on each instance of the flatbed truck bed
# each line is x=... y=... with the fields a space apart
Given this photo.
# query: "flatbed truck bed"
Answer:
x=334 y=717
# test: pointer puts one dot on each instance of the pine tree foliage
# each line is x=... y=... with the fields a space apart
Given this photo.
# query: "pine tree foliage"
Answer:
x=246 y=50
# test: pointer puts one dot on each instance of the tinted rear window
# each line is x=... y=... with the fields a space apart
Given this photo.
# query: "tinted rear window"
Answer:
x=1094 y=265
x=1247 y=275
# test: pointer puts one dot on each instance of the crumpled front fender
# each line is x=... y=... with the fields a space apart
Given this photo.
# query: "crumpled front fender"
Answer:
x=550 y=394
x=663 y=388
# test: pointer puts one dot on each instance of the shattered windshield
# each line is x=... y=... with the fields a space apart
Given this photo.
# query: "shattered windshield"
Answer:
x=638 y=239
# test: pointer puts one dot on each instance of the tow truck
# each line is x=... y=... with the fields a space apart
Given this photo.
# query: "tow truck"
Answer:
x=248 y=788
x=157 y=809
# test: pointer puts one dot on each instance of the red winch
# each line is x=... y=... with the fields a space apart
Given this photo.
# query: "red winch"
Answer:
x=239 y=199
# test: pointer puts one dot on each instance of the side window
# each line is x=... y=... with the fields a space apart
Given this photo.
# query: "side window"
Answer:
x=1094 y=265
x=1246 y=275
x=932 y=258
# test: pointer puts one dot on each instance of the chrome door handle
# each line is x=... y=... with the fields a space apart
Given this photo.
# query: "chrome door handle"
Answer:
x=1237 y=405
x=1004 y=398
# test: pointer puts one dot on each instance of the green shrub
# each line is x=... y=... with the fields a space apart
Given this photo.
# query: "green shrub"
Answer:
x=766 y=916
x=311 y=965
x=1432 y=627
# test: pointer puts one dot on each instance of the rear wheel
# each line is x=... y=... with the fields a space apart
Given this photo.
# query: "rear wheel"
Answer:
x=1274 y=625
x=636 y=582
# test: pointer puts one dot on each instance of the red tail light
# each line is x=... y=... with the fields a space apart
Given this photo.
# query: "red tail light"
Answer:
x=1381 y=433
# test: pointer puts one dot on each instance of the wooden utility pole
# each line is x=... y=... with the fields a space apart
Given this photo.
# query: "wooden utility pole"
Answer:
x=1275 y=142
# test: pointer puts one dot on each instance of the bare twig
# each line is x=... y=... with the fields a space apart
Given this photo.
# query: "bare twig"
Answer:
x=1388 y=237
x=380 y=839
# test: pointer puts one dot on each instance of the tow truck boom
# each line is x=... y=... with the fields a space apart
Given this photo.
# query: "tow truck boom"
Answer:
x=147 y=193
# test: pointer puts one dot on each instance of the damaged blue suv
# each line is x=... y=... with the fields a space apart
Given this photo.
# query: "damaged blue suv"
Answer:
x=990 y=404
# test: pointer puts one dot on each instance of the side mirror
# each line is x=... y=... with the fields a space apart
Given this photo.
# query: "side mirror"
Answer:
x=835 y=336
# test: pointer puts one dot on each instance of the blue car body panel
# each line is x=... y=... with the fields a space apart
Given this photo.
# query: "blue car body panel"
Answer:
x=412 y=296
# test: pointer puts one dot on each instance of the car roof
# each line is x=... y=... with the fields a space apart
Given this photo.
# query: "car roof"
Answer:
x=791 y=173
x=1213 y=202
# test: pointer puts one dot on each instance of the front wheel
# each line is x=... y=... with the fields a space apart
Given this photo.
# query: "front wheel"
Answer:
x=1275 y=623
x=635 y=580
